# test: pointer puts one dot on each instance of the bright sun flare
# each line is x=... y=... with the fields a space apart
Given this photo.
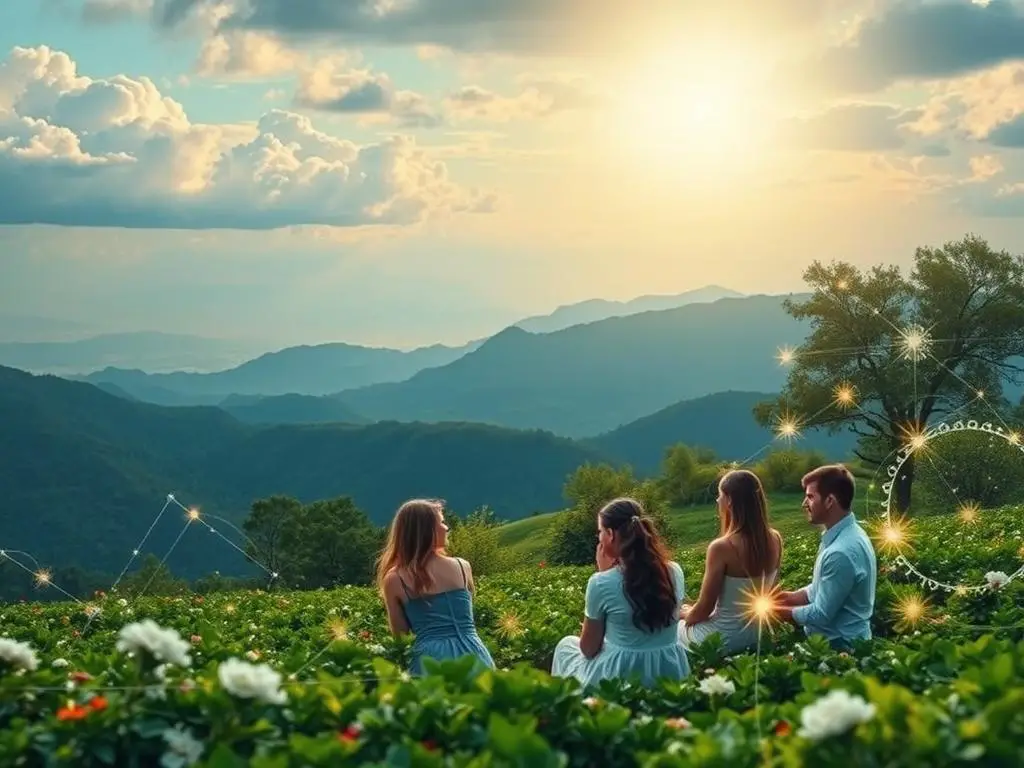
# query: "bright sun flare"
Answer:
x=692 y=113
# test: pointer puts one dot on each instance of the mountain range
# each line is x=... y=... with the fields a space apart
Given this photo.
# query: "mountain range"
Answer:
x=85 y=471
x=46 y=345
x=592 y=310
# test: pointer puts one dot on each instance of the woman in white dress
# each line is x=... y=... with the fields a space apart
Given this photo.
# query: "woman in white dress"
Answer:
x=745 y=558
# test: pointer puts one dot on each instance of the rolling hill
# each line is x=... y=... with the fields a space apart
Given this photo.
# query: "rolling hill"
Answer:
x=308 y=370
x=85 y=472
x=723 y=422
x=592 y=378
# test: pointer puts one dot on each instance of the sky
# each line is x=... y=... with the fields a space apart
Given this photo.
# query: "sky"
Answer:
x=404 y=172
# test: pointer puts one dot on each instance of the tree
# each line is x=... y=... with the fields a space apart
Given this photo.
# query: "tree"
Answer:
x=265 y=527
x=329 y=543
x=783 y=470
x=938 y=344
x=152 y=578
x=689 y=475
x=573 y=538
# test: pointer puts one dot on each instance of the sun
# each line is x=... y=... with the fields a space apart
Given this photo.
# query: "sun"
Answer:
x=691 y=111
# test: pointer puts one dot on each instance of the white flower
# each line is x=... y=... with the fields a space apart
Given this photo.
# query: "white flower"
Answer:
x=996 y=579
x=376 y=649
x=182 y=748
x=162 y=644
x=59 y=663
x=122 y=602
x=834 y=714
x=18 y=655
x=716 y=684
x=251 y=681
x=591 y=702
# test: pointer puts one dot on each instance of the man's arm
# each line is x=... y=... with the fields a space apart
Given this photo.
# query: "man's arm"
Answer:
x=835 y=580
x=793 y=599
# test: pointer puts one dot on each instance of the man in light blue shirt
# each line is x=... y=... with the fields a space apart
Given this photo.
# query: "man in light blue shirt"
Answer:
x=839 y=601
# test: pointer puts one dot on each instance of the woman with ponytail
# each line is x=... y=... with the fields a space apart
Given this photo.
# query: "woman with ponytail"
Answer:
x=630 y=624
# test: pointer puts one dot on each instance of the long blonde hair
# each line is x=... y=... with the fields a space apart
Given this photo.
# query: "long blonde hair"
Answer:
x=412 y=541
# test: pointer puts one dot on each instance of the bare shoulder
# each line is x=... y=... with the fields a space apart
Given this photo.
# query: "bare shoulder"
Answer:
x=719 y=549
x=391 y=581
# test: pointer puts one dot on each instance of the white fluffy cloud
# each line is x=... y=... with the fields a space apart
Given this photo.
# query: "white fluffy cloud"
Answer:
x=115 y=152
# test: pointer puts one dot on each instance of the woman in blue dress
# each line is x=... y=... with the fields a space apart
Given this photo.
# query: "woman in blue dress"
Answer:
x=425 y=591
x=631 y=615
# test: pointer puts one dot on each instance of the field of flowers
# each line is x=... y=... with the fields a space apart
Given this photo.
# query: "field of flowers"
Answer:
x=314 y=678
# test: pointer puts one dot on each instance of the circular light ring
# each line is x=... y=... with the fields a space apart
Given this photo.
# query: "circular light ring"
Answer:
x=893 y=470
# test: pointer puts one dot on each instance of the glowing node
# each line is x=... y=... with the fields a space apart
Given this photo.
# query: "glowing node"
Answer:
x=43 y=578
x=1013 y=438
x=845 y=395
x=786 y=355
x=915 y=342
x=960 y=591
x=510 y=626
x=912 y=610
x=968 y=512
x=895 y=536
x=981 y=394
x=193 y=514
x=337 y=629
x=788 y=427
x=915 y=439
x=842 y=285
x=760 y=605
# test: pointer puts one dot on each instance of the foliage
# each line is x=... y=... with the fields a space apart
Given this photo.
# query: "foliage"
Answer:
x=689 y=475
x=574 y=534
x=943 y=694
x=477 y=539
x=964 y=300
x=989 y=473
x=781 y=471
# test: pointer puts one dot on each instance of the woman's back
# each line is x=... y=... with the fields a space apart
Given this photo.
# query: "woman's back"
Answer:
x=608 y=591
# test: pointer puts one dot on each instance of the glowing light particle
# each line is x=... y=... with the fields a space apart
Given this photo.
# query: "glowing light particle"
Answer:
x=787 y=428
x=760 y=605
x=968 y=512
x=193 y=514
x=786 y=355
x=915 y=343
x=912 y=610
x=43 y=578
x=895 y=536
x=845 y=395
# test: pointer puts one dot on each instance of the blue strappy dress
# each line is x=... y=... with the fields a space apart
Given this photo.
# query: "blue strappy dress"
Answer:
x=443 y=626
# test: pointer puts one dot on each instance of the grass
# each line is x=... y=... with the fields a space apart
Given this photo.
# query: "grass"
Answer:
x=693 y=527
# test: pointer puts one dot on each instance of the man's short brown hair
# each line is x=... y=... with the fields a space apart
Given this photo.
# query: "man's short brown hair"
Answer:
x=832 y=480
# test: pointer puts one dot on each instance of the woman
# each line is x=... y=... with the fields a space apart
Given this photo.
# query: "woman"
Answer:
x=425 y=591
x=632 y=606
x=743 y=560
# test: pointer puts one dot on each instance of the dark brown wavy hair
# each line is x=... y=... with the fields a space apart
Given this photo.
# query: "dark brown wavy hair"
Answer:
x=748 y=518
x=644 y=559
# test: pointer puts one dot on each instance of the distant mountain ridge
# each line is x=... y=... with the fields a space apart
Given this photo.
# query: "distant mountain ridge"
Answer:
x=588 y=379
x=151 y=350
x=594 y=310
x=308 y=370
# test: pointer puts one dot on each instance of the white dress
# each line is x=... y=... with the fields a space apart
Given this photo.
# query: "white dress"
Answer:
x=737 y=631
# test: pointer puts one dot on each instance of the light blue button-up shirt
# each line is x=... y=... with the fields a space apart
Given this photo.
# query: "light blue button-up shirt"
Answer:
x=841 y=595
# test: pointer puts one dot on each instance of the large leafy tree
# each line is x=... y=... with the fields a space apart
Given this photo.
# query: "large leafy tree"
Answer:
x=938 y=344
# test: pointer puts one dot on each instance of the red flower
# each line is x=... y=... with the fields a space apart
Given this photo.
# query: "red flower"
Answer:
x=430 y=745
x=72 y=712
x=79 y=677
x=97 y=703
x=543 y=564
x=782 y=728
x=351 y=733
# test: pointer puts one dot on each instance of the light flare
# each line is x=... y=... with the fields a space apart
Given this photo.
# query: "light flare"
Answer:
x=912 y=610
x=968 y=512
x=845 y=395
x=895 y=536
x=915 y=343
x=760 y=605
x=786 y=355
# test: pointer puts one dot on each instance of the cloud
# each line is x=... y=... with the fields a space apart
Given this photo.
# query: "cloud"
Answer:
x=329 y=88
x=111 y=11
x=116 y=152
x=849 y=128
x=540 y=97
x=918 y=40
x=513 y=26
x=240 y=53
x=1009 y=134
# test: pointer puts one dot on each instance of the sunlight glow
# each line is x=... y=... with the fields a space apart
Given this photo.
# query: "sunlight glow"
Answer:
x=894 y=537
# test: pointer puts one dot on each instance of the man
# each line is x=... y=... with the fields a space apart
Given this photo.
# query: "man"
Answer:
x=839 y=601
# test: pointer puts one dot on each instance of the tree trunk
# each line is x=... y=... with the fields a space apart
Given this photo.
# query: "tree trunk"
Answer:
x=903 y=485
